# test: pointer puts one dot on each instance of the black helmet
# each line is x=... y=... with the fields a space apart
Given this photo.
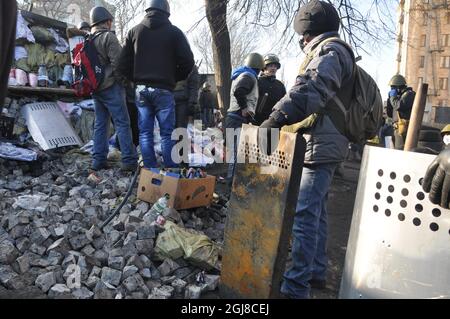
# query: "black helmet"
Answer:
x=161 y=5
x=99 y=15
x=83 y=25
x=316 y=17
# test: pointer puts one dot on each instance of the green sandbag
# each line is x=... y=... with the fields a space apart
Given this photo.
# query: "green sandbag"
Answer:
x=23 y=65
x=176 y=242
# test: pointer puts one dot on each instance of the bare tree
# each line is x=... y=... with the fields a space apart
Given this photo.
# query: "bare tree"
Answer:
x=126 y=11
x=203 y=42
x=375 y=23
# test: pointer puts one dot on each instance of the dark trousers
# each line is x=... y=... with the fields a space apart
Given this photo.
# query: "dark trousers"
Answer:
x=8 y=17
x=181 y=114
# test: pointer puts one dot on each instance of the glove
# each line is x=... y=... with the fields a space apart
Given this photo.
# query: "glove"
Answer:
x=437 y=180
x=270 y=123
x=393 y=93
x=389 y=121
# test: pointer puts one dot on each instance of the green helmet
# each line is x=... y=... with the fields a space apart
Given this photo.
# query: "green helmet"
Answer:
x=255 y=61
x=272 y=59
x=446 y=130
x=398 y=80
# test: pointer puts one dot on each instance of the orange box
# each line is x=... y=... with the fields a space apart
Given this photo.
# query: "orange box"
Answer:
x=184 y=193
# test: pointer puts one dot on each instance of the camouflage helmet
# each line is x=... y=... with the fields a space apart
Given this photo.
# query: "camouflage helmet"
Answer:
x=446 y=130
x=398 y=80
x=255 y=61
x=272 y=59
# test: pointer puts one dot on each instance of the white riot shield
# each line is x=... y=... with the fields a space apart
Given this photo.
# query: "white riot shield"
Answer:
x=399 y=245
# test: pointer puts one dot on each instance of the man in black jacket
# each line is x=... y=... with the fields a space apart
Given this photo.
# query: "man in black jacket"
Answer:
x=271 y=90
x=186 y=98
x=156 y=56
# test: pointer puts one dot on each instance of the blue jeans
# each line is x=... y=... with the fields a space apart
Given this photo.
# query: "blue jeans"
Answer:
x=160 y=104
x=309 y=249
x=111 y=103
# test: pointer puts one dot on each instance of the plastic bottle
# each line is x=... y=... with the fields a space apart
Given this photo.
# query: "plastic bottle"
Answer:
x=42 y=76
x=157 y=209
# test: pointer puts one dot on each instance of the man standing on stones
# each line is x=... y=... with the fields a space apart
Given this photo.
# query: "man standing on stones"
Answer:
x=109 y=98
x=319 y=81
x=271 y=90
x=156 y=56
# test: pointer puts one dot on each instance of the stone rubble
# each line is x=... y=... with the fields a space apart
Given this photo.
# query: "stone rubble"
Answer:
x=50 y=215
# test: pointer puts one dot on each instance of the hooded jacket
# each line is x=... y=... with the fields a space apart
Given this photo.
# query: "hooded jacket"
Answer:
x=156 y=53
x=109 y=49
x=330 y=70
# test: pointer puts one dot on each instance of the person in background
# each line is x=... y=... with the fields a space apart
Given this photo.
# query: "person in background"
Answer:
x=399 y=107
x=207 y=105
x=186 y=98
x=244 y=98
x=109 y=98
x=271 y=90
x=85 y=27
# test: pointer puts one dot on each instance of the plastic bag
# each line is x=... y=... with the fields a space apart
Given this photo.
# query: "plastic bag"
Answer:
x=12 y=152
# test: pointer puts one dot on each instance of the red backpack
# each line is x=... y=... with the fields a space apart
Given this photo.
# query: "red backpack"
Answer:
x=89 y=72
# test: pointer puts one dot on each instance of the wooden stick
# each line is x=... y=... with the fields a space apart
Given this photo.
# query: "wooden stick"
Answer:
x=415 y=123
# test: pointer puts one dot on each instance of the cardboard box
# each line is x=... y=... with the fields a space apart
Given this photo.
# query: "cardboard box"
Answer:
x=184 y=193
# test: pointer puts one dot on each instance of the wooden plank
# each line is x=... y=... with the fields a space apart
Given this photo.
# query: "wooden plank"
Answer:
x=261 y=216
x=27 y=90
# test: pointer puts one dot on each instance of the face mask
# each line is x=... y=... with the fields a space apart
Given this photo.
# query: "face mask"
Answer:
x=447 y=139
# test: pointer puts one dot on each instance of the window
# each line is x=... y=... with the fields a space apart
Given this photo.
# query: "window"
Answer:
x=425 y=19
x=443 y=84
x=445 y=62
x=448 y=18
x=445 y=40
x=422 y=62
x=423 y=40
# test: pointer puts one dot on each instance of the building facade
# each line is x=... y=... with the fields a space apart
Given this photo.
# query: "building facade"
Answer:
x=424 y=52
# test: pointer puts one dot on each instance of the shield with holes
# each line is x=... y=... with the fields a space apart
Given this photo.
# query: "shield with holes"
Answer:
x=48 y=126
x=399 y=245
x=260 y=216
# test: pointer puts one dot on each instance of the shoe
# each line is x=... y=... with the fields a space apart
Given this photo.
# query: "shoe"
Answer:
x=99 y=167
x=114 y=155
x=129 y=168
x=318 y=284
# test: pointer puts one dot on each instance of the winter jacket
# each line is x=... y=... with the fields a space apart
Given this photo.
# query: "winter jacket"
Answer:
x=156 y=53
x=402 y=104
x=109 y=49
x=275 y=91
x=329 y=70
x=207 y=100
x=244 y=90
x=187 y=90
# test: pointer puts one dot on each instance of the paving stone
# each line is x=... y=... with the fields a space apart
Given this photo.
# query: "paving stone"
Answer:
x=46 y=281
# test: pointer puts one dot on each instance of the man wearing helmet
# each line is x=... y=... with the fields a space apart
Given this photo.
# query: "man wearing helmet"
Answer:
x=320 y=80
x=109 y=98
x=84 y=26
x=155 y=57
x=244 y=98
x=271 y=90
x=399 y=107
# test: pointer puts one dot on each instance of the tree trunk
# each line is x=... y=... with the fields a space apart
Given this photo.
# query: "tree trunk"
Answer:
x=216 y=13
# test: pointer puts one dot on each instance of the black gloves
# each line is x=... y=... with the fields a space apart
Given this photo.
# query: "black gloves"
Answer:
x=437 y=180
x=270 y=123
